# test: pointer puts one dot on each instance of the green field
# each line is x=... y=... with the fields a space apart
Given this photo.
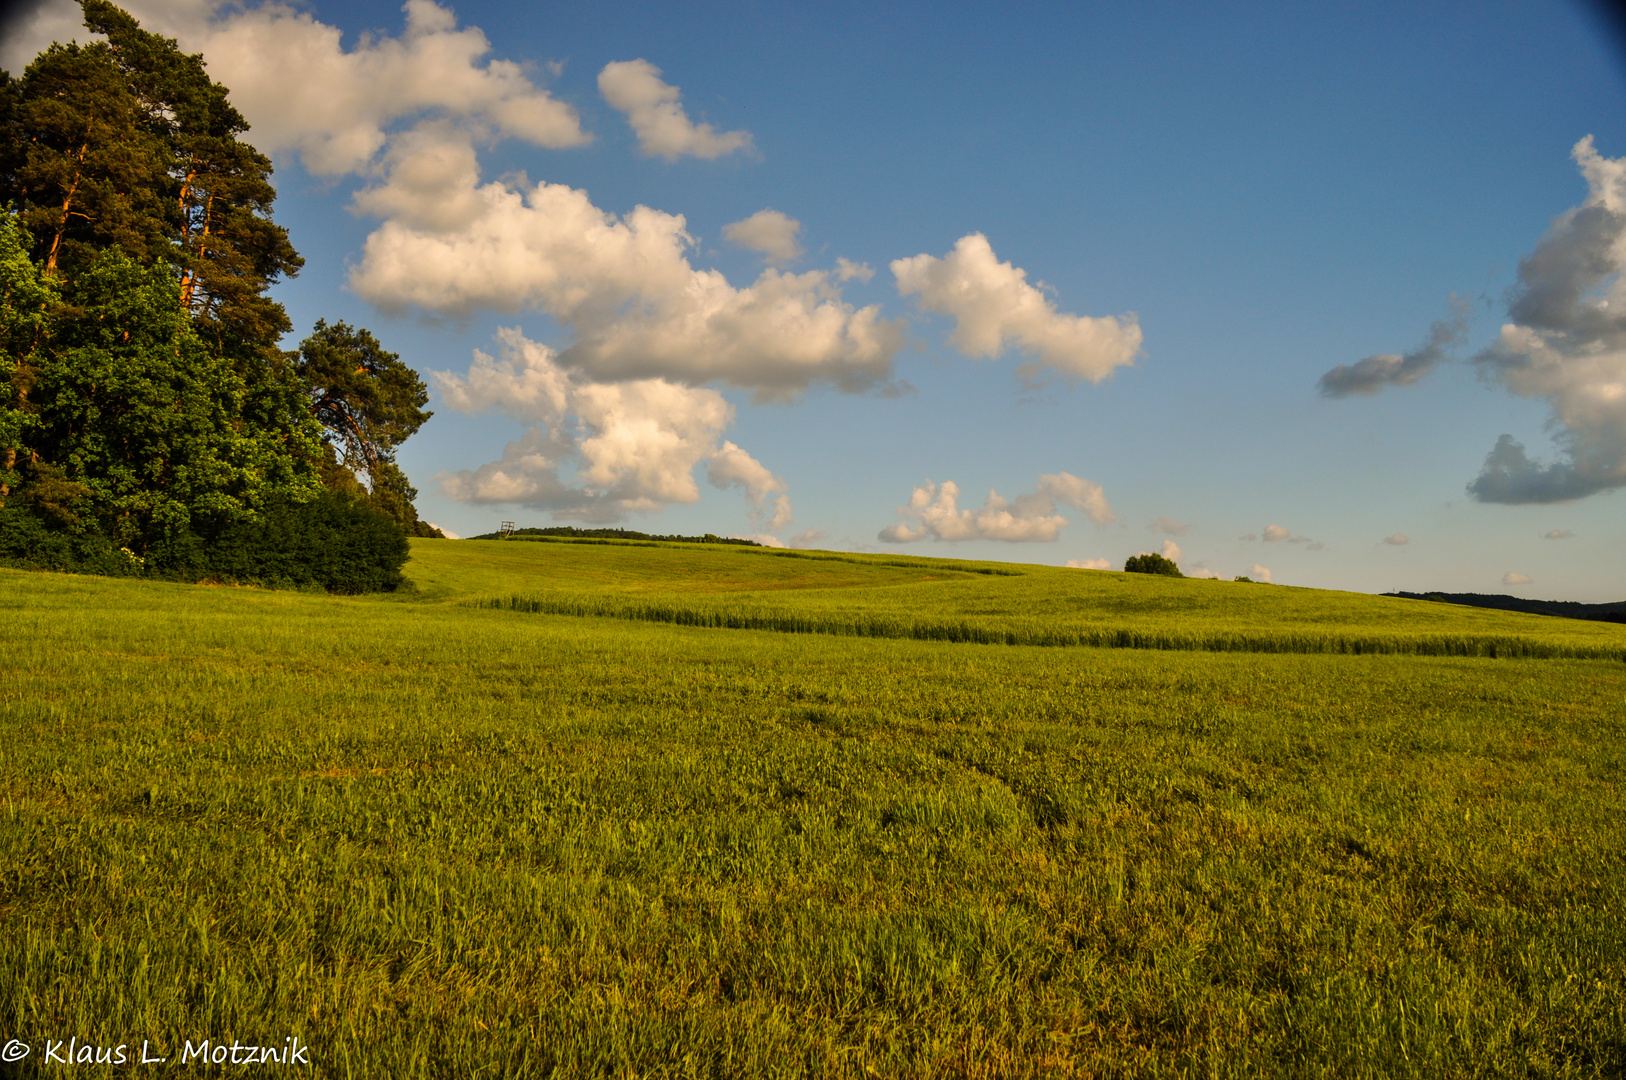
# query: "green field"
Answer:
x=619 y=810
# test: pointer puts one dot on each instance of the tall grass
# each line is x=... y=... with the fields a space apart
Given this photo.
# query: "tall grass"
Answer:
x=436 y=840
x=946 y=600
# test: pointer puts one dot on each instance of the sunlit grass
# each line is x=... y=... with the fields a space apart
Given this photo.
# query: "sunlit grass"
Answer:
x=438 y=840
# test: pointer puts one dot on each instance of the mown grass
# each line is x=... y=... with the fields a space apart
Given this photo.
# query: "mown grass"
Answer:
x=438 y=840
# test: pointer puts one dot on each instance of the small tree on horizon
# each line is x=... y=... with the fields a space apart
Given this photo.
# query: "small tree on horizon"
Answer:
x=1152 y=563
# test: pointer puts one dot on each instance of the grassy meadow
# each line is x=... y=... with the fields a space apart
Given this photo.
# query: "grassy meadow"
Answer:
x=621 y=810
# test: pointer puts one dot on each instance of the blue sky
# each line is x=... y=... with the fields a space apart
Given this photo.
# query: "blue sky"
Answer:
x=1238 y=198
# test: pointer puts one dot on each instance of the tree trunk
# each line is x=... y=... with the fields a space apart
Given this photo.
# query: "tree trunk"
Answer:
x=67 y=203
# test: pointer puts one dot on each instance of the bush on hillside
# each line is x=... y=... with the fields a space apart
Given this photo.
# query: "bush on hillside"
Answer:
x=1152 y=563
x=333 y=542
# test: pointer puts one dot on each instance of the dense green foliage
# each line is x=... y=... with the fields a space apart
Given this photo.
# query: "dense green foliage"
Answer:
x=368 y=403
x=145 y=407
x=434 y=840
x=1149 y=562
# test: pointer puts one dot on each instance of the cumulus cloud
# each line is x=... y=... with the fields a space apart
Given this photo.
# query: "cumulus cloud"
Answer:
x=1512 y=578
x=1260 y=573
x=447 y=533
x=1090 y=564
x=623 y=285
x=1390 y=369
x=653 y=109
x=730 y=466
x=1559 y=534
x=807 y=538
x=628 y=447
x=769 y=232
x=1170 y=526
x=936 y=513
x=1397 y=539
x=1275 y=534
x=765 y=539
x=1171 y=551
x=1564 y=342
x=847 y=270
x=993 y=306
x=302 y=90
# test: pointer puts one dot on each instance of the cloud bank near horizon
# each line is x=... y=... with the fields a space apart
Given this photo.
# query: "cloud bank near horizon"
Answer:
x=935 y=511
x=628 y=447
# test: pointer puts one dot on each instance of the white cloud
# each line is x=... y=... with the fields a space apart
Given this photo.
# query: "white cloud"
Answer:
x=935 y=509
x=301 y=90
x=847 y=270
x=1090 y=564
x=630 y=446
x=1171 y=551
x=769 y=232
x=807 y=538
x=623 y=285
x=1397 y=539
x=1559 y=534
x=730 y=465
x=447 y=533
x=1169 y=526
x=1512 y=578
x=657 y=117
x=993 y=305
x=1389 y=369
x=1275 y=534
x=764 y=539
x=1260 y=573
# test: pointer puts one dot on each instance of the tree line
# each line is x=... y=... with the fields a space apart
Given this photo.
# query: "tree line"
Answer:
x=151 y=422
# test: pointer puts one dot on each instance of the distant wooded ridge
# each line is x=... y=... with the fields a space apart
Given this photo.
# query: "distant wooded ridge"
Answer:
x=615 y=534
x=1567 y=609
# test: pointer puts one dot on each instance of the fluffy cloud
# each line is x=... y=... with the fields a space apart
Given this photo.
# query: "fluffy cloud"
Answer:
x=767 y=231
x=935 y=510
x=1397 y=539
x=1171 y=551
x=1260 y=573
x=1090 y=564
x=847 y=270
x=1170 y=526
x=1559 y=534
x=730 y=465
x=1275 y=534
x=630 y=446
x=1564 y=341
x=624 y=285
x=657 y=117
x=1390 y=369
x=993 y=305
x=302 y=91
x=1512 y=578
x=765 y=539
x=807 y=538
